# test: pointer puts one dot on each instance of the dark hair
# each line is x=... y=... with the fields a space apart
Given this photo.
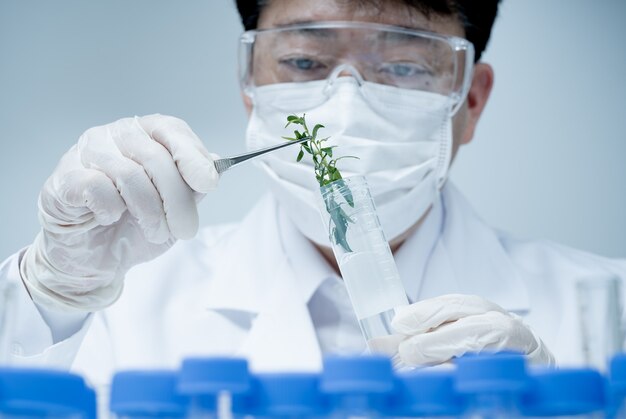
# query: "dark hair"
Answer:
x=476 y=16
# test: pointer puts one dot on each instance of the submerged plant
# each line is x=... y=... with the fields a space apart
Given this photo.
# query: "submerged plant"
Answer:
x=326 y=172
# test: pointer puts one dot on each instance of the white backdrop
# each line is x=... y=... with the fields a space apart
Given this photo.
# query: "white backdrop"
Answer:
x=547 y=160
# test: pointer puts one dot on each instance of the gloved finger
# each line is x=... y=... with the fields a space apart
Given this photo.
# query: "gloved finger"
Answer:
x=130 y=179
x=492 y=330
x=193 y=160
x=75 y=198
x=177 y=197
x=385 y=344
x=92 y=192
x=428 y=314
x=541 y=355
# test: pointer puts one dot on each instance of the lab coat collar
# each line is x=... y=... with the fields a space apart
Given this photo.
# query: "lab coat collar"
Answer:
x=471 y=258
x=453 y=251
x=413 y=256
x=281 y=336
x=304 y=258
x=274 y=283
x=252 y=256
x=274 y=248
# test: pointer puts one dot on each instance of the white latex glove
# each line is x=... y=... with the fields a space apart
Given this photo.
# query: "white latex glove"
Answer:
x=119 y=197
x=441 y=328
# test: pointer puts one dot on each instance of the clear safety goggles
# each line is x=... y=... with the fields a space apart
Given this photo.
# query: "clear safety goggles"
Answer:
x=381 y=54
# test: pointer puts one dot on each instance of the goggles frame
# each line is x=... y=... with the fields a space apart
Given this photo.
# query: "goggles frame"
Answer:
x=462 y=49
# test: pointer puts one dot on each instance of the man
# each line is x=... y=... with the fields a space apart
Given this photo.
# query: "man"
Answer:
x=395 y=83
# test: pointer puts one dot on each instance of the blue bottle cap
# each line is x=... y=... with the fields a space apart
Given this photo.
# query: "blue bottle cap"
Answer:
x=147 y=393
x=495 y=372
x=283 y=395
x=426 y=392
x=617 y=374
x=357 y=374
x=210 y=376
x=564 y=392
x=357 y=385
x=616 y=384
x=45 y=393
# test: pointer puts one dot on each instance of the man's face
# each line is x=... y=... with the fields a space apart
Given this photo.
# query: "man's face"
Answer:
x=288 y=12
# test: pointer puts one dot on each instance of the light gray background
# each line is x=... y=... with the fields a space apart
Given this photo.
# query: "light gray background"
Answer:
x=547 y=160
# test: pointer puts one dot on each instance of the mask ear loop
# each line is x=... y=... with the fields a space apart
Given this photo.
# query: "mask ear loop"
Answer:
x=336 y=75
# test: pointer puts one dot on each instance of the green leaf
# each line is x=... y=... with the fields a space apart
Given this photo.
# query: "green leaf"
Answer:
x=345 y=216
x=315 y=129
x=326 y=173
x=345 y=157
x=349 y=197
x=339 y=227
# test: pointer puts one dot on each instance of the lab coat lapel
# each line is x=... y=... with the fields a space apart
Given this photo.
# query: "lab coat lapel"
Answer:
x=281 y=335
x=470 y=258
x=249 y=258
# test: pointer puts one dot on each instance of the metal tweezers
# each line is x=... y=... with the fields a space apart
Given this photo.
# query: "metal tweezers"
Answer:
x=222 y=165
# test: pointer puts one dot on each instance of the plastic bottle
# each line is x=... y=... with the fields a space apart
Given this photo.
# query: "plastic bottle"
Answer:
x=564 y=393
x=426 y=393
x=211 y=384
x=357 y=386
x=147 y=394
x=616 y=403
x=492 y=384
x=284 y=395
x=38 y=393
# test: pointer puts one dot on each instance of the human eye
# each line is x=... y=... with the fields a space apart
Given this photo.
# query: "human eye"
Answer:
x=302 y=64
x=405 y=70
x=405 y=74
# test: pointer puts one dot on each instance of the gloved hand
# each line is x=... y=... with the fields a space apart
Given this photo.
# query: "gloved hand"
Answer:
x=437 y=329
x=119 y=197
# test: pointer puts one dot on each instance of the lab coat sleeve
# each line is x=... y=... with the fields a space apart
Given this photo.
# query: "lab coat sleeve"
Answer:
x=28 y=338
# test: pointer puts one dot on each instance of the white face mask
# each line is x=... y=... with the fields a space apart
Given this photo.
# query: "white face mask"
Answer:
x=403 y=139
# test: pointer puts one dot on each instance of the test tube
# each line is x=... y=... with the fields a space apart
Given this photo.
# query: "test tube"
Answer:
x=364 y=257
x=600 y=311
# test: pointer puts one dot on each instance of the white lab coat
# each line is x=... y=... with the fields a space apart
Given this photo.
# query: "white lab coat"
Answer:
x=234 y=290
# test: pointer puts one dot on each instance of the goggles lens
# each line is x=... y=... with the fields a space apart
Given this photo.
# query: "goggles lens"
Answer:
x=380 y=54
